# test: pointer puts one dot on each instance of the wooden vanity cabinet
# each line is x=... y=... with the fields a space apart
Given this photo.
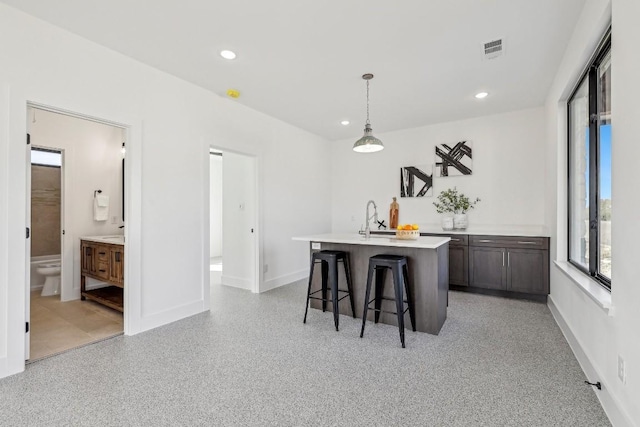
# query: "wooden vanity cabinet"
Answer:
x=116 y=265
x=103 y=262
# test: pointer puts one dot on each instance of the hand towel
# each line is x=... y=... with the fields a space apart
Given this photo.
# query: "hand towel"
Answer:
x=103 y=201
x=101 y=208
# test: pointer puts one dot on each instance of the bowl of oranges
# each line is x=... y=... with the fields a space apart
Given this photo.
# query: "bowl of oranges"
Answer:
x=407 y=232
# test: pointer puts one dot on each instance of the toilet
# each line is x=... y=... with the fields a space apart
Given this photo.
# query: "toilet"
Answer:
x=51 y=272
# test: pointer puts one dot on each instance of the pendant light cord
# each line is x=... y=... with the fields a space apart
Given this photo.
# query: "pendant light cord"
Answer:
x=368 y=102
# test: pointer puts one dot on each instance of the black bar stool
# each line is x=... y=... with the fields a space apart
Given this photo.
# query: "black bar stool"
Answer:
x=329 y=261
x=398 y=266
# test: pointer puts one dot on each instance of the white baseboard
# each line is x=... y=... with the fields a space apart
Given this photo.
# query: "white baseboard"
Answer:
x=276 y=282
x=37 y=288
x=608 y=401
x=236 y=282
x=161 y=318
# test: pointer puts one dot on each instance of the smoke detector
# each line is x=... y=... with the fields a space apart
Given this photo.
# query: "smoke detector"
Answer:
x=493 y=49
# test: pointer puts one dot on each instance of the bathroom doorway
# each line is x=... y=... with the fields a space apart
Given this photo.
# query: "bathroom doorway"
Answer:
x=215 y=215
x=71 y=161
x=233 y=220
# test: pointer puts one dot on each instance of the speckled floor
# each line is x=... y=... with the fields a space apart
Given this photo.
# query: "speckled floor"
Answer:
x=252 y=362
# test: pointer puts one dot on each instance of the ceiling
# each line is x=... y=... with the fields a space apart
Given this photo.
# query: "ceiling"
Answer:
x=301 y=61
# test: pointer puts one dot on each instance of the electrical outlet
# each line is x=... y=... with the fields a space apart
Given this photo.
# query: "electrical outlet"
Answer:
x=622 y=375
x=316 y=246
x=265 y=268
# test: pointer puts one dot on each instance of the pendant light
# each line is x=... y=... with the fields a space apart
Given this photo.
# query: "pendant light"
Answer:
x=368 y=143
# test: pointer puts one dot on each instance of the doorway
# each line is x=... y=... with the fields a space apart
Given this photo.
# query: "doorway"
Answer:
x=233 y=219
x=90 y=156
x=215 y=216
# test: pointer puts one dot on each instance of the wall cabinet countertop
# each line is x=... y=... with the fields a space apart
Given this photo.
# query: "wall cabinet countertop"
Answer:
x=522 y=231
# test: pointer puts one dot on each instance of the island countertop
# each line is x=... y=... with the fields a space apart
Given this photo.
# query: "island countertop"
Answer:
x=422 y=242
x=428 y=273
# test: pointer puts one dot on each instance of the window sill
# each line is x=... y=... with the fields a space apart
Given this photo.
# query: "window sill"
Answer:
x=589 y=286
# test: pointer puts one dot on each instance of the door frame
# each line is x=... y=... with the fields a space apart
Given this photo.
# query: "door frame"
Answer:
x=129 y=257
x=257 y=217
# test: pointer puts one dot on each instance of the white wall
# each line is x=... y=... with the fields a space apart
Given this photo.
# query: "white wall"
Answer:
x=599 y=337
x=92 y=161
x=239 y=217
x=215 y=203
x=508 y=165
x=171 y=125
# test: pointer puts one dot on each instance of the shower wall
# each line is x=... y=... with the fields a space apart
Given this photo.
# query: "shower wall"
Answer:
x=45 y=210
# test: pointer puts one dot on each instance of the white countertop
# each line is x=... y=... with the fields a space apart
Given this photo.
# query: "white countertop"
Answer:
x=525 y=231
x=423 y=242
x=114 y=240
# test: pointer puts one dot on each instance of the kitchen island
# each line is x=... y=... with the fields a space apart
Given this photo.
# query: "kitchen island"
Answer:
x=428 y=264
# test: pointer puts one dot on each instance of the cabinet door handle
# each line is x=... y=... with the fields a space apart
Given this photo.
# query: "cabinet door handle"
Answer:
x=102 y=253
x=455 y=240
x=503 y=258
x=102 y=271
x=485 y=241
x=508 y=259
x=527 y=243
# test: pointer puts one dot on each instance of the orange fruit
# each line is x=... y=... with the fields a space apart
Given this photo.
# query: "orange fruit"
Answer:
x=415 y=226
x=408 y=227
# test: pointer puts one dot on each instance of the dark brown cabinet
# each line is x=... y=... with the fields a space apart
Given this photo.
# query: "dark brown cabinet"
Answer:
x=527 y=271
x=459 y=260
x=512 y=266
x=509 y=263
x=487 y=268
x=103 y=262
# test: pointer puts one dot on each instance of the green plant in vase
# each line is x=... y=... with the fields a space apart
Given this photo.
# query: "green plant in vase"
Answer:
x=453 y=202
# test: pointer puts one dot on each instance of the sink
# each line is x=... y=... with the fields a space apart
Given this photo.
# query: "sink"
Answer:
x=118 y=239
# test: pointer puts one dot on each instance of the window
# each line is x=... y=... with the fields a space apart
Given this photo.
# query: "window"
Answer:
x=44 y=157
x=589 y=124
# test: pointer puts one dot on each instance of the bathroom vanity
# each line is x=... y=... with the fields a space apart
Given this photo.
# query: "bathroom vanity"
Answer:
x=102 y=258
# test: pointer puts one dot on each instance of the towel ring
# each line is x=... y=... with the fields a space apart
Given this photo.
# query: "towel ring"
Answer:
x=98 y=192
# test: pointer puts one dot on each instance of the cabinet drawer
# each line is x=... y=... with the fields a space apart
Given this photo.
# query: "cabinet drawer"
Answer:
x=456 y=239
x=102 y=253
x=510 y=242
x=102 y=269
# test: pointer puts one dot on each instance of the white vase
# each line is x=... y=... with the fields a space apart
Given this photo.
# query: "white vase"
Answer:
x=447 y=223
x=460 y=222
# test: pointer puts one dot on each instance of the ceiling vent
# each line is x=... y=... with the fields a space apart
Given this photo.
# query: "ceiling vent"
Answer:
x=493 y=49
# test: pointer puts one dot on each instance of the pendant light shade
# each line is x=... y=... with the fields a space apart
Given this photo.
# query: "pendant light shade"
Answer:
x=368 y=143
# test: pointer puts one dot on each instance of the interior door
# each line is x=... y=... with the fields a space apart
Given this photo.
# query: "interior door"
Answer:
x=27 y=287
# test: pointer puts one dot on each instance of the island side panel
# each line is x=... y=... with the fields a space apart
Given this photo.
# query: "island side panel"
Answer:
x=428 y=273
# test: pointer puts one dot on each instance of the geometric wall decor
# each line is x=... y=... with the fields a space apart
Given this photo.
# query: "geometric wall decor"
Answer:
x=454 y=161
x=416 y=181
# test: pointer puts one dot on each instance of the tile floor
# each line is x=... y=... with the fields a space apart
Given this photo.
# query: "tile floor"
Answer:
x=59 y=326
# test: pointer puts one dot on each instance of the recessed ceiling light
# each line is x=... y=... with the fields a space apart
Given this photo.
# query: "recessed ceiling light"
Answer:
x=227 y=54
x=344 y=122
x=481 y=95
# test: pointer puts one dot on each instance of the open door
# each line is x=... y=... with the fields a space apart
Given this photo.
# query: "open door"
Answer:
x=27 y=288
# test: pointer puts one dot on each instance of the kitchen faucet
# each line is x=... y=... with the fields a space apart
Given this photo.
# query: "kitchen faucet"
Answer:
x=367 y=230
